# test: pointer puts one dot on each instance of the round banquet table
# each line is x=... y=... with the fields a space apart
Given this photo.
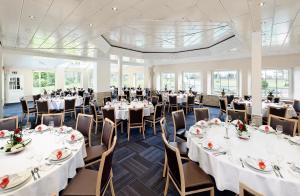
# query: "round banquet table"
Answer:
x=54 y=177
x=121 y=108
x=290 y=113
x=228 y=170
x=59 y=103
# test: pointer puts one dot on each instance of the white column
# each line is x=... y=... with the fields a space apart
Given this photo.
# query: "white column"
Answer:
x=120 y=62
x=60 y=78
x=256 y=73
x=103 y=76
x=1 y=83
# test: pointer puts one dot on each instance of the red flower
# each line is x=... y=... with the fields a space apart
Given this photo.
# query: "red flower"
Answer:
x=58 y=154
x=210 y=145
x=18 y=139
x=17 y=131
x=72 y=137
x=198 y=131
x=2 y=134
x=262 y=165
x=39 y=128
x=241 y=126
x=4 y=182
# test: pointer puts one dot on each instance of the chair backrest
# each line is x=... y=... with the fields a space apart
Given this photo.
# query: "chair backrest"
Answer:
x=122 y=97
x=10 y=123
x=160 y=100
x=247 y=97
x=201 y=114
x=139 y=92
x=239 y=106
x=136 y=116
x=105 y=169
x=289 y=126
x=158 y=111
x=42 y=107
x=24 y=105
x=201 y=98
x=86 y=101
x=164 y=127
x=56 y=118
x=106 y=99
x=270 y=98
x=191 y=100
x=223 y=104
x=173 y=99
x=175 y=167
x=94 y=110
x=127 y=93
x=296 y=105
x=237 y=115
x=81 y=93
x=70 y=104
x=277 y=111
x=107 y=132
x=36 y=97
x=154 y=100
x=109 y=113
x=178 y=120
x=276 y=99
x=229 y=98
x=247 y=191
x=84 y=125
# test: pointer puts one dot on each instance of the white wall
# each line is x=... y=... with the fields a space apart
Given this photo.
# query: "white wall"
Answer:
x=242 y=65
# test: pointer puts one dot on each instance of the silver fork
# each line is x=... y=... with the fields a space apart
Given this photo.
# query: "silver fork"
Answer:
x=278 y=169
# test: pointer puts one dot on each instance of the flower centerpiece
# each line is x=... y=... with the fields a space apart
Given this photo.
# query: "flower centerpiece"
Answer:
x=16 y=142
x=242 y=130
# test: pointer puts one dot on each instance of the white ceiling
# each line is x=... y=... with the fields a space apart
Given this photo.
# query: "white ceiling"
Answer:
x=63 y=26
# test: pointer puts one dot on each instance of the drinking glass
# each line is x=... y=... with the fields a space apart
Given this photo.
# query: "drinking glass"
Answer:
x=279 y=129
x=229 y=119
x=51 y=125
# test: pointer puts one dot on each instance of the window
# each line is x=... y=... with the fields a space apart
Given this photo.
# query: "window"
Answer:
x=133 y=76
x=114 y=74
x=227 y=80
x=167 y=81
x=191 y=80
x=276 y=81
x=126 y=81
x=72 y=79
x=43 y=81
x=139 y=80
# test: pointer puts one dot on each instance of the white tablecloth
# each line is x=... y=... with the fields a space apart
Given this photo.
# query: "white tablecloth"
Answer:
x=227 y=169
x=265 y=108
x=181 y=98
x=59 y=103
x=121 y=108
x=54 y=178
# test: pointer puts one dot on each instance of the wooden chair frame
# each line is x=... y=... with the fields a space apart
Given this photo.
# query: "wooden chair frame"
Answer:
x=275 y=108
x=90 y=127
x=286 y=119
x=16 y=118
x=27 y=113
x=248 y=189
x=181 y=189
x=154 y=121
x=140 y=127
x=116 y=124
x=40 y=114
x=175 y=124
x=99 y=118
x=173 y=105
x=245 y=116
x=226 y=105
x=54 y=114
x=70 y=111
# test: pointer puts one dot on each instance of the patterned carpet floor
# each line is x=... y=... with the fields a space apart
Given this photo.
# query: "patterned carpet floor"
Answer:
x=137 y=164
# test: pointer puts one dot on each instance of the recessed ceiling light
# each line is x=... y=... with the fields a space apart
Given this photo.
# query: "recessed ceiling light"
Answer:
x=114 y=9
x=262 y=4
x=90 y=24
x=31 y=17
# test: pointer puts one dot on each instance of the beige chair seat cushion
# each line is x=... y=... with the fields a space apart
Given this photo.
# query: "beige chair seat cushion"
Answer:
x=94 y=153
x=84 y=183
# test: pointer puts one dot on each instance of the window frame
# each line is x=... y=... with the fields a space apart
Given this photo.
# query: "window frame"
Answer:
x=200 y=81
x=226 y=92
x=162 y=87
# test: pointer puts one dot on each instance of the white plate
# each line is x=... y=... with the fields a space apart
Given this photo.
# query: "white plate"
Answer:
x=295 y=140
x=262 y=128
x=77 y=136
x=202 y=123
x=41 y=128
x=245 y=136
x=65 y=154
x=16 y=180
x=214 y=148
x=193 y=130
x=215 y=121
x=65 y=129
x=254 y=163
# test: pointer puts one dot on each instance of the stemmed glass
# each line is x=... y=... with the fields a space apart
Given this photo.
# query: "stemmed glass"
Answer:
x=227 y=126
x=51 y=125
x=279 y=129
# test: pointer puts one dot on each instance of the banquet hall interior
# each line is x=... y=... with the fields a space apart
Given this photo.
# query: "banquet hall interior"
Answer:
x=149 y=97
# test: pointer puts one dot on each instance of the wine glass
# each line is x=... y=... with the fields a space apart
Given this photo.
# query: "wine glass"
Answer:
x=229 y=119
x=51 y=125
x=279 y=129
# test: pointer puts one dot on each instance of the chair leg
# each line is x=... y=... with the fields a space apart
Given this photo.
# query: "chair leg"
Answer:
x=154 y=128
x=165 y=166
x=112 y=191
x=212 y=192
x=143 y=130
x=166 y=186
x=96 y=129
x=128 y=132
x=122 y=128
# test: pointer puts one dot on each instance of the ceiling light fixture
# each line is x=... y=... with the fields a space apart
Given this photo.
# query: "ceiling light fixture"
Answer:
x=114 y=9
x=90 y=24
x=261 y=4
x=31 y=17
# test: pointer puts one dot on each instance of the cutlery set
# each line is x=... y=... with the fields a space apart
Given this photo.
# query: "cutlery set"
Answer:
x=35 y=173
x=276 y=170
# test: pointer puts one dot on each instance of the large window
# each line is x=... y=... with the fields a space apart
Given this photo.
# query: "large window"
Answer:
x=225 y=80
x=167 y=81
x=133 y=76
x=139 y=79
x=43 y=81
x=191 y=80
x=276 y=81
x=73 y=79
x=114 y=74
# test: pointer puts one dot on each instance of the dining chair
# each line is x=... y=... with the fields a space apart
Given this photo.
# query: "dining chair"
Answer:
x=229 y=98
x=135 y=120
x=188 y=178
x=57 y=118
x=91 y=182
x=237 y=115
x=289 y=126
x=127 y=93
x=190 y=104
x=42 y=108
x=26 y=111
x=153 y=119
x=80 y=93
x=154 y=100
x=247 y=97
x=200 y=101
x=179 y=124
x=201 y=114
x=70 y=107
x=97 y=118
x=276 y=100
x=120 y=97
x=173 y=102
x=111 y=115
x=139 y=93
x=36 y=98
x=181 y=145
x=278 y=111
x=86 y=104
x=10 y=123
x=239 y=106
x=247 y=191
x=160 y=99
x=223 y=106
x=84 y=126
x=94 y=153
x=106 y=99
x=296 y=106
x=270 y=98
